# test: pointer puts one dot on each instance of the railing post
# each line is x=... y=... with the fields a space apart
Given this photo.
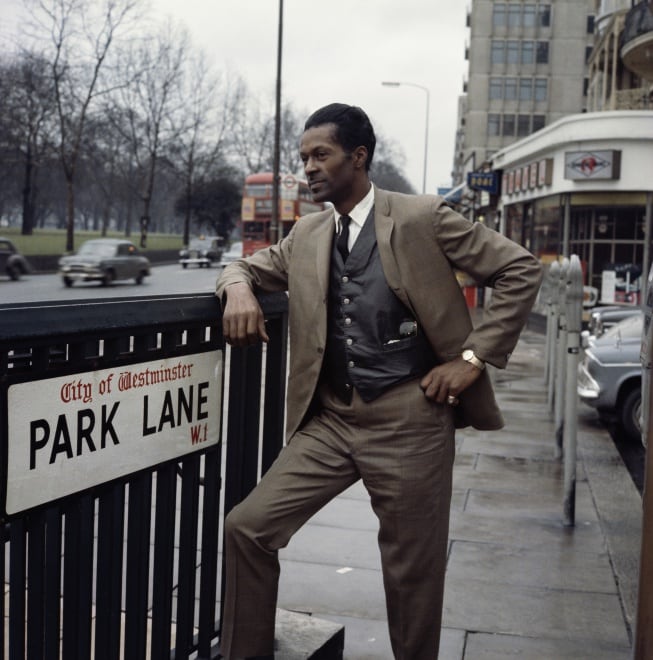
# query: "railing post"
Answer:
x=550 y=290
x=559 y=414
x=554 y=277
x=574 y=302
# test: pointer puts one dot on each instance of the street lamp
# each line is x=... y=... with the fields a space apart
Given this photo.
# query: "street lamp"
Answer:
x=426 y=123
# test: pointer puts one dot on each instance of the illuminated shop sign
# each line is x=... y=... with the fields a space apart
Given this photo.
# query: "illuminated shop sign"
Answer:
x=528 y=177
x=487 y=181
x=592 y=165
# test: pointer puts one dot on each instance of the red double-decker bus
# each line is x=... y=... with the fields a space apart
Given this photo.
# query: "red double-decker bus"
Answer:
x=295 y=200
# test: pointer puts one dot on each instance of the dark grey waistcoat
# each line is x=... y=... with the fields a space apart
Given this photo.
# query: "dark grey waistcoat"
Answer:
x=373 y=340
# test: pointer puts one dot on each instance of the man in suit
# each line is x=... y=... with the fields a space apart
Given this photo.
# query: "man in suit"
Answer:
x=384 y=365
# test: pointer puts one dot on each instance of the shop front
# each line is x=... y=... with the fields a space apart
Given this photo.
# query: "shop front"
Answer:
x=583 y=186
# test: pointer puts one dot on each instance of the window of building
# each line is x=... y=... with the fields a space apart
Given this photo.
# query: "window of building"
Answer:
x=539 y=121
x=499 y=14
x=541 y=88
x=544 y=17
x=529 y=15
x=523 y=125
x=496 y=91
x=497 y=52
x=588 y=53
x=590 y=25
x=493 y=122
x=514 y=15
x=512 y=52
x=525 y=89
x=542 y=52
x=508 y=128
x=510 y=89
x=527 y=52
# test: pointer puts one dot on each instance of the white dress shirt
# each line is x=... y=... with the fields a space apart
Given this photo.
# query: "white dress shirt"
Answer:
x=358 y=216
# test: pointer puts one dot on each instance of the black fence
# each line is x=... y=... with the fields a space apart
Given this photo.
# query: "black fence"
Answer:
x=131 y=567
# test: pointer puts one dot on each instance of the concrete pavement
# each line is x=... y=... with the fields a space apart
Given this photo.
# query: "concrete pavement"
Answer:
x=519 y=584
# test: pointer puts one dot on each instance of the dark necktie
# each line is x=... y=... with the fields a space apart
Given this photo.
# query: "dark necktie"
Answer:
x=343 y=237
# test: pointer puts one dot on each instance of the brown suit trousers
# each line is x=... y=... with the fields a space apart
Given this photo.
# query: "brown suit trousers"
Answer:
x=402 y=446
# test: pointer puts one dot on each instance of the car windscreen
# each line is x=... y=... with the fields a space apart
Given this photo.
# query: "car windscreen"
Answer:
x=627 y=329
x=96 y=250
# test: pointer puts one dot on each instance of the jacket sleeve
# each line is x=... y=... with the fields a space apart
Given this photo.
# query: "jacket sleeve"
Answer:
x=265 y=270
x=511 y=272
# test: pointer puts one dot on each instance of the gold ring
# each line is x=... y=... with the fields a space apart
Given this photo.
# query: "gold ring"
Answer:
x=452 y=400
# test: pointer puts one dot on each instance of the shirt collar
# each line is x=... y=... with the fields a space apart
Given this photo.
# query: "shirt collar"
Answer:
x=360 y=212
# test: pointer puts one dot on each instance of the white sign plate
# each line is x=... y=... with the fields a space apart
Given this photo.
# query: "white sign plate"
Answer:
x=70 y=433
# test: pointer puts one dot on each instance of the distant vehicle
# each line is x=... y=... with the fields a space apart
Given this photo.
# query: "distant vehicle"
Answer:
x=12 y=262
x=295 y=200
x=610 y=375
x=104 y=260
x=233 y=253
x=202 y=251
x=602 y=318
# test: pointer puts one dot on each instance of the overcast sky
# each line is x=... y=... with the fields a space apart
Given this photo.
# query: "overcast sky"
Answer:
x=341 y=50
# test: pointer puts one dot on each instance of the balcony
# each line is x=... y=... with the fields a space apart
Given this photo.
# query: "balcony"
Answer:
x=637 y=40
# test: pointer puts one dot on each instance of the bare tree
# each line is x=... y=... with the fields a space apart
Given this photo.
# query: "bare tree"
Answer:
x=209 y=109
x=81 y=34
x=155 y=67
x=26 y=105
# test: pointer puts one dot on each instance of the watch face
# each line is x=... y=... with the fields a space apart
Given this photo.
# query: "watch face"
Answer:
x=468 y=354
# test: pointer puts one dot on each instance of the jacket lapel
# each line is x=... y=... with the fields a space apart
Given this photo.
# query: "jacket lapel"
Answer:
x=385 y=229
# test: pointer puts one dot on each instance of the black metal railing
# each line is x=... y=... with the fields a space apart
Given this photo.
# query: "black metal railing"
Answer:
x=132 y=568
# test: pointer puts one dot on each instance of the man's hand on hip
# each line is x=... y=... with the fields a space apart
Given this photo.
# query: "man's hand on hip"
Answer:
x=445 y=382
x=243 y=323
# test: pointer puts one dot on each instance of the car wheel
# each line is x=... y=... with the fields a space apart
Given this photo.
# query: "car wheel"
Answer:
x=184 y=265
x=108 y=278
x=630 y=411
x=139 y=278
x=67 y=282
x=14 y=273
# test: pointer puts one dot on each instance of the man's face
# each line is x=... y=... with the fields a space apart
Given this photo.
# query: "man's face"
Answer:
x=328 y=167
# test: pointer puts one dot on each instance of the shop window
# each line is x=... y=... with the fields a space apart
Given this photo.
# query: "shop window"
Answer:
x=525 y=89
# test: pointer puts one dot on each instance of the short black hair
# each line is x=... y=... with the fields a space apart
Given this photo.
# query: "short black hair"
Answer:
x=353 y=127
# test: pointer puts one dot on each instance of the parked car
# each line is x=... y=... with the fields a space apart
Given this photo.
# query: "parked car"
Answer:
x=202 y=251
x=602 y=318
x=104 y=260
x=233 y=253
x=610 y=375
x=11 y=261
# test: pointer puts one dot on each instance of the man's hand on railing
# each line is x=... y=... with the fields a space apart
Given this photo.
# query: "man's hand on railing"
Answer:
x=243 y=323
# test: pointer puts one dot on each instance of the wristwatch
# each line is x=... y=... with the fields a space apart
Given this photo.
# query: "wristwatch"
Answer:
x=468 y=356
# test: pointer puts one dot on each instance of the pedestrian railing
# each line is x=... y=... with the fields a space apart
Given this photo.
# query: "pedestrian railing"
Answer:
x=114 y=418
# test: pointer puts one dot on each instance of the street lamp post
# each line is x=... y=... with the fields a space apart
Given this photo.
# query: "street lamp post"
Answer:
x=426 y=122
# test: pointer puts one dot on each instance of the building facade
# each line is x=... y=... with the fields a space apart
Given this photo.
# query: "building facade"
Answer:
x=583 y=186
x=527 y=68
